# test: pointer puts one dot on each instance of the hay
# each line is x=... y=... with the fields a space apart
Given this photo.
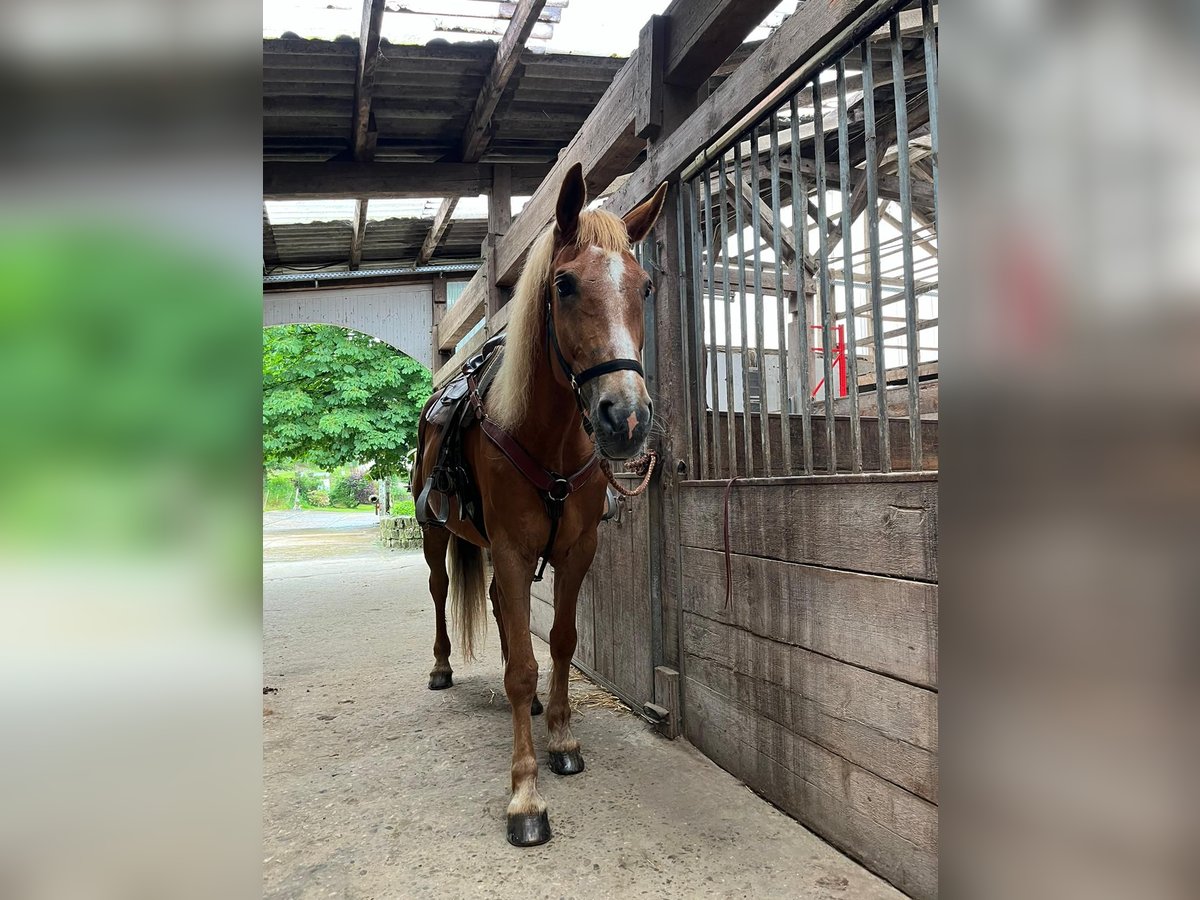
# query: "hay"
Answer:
x=583 y=693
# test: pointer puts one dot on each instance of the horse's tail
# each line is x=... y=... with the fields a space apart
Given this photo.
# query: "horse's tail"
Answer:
x=468 y=593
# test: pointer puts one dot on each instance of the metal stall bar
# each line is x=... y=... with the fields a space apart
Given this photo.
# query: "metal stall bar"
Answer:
x=731 y=419
x=785 y=428
x=713 y=373
x=800 y=241
x=740 y=226
x=848 y=268
x=930 y=40
x=827 y=342
x=875 y=302
x=697 y=315
x=689 y=425
x=764 y=419
x=910 y=300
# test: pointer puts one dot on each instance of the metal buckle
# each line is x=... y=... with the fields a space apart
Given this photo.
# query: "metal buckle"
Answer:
x=559 y=490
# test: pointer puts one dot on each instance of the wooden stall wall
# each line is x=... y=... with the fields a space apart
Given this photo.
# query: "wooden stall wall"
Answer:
x=817 y=684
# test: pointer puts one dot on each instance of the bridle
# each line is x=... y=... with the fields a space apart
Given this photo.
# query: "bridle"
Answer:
x=577 y=381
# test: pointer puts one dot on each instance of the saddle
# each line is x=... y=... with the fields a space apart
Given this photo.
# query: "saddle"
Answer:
x=449 y=413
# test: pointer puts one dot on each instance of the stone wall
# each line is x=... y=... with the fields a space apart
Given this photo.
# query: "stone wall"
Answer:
x=399 y=532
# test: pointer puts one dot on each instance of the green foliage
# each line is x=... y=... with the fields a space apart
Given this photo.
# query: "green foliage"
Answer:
x=351 y=491
x=318 y=498
x=280 y=490
x=332 y=396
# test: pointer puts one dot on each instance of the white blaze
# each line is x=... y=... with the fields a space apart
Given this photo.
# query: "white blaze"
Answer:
x=616 y=269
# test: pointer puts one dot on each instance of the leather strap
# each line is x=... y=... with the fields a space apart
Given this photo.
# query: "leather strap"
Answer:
x=550 y=483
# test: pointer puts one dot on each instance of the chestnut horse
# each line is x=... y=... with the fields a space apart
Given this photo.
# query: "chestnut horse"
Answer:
x=581 y=281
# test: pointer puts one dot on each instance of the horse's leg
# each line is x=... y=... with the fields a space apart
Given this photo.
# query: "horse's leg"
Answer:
x=436 y=540
x=494 y=592
x=565 y=758
x=528 y=823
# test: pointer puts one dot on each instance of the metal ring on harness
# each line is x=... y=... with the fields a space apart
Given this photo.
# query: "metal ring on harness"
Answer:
x=559 y=490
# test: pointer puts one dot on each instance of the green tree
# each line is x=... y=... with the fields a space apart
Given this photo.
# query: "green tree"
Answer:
x=332 y=397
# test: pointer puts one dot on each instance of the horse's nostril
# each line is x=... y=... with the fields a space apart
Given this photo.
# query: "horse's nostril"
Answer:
x=608 y=415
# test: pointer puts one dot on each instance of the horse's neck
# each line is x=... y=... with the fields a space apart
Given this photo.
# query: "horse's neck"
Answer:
x=553 y=429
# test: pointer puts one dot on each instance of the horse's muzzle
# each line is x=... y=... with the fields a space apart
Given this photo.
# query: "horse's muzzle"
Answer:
x=622 y=426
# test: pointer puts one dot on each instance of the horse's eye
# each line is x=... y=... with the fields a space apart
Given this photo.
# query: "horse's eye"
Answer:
x=565 y=285
x=649 y=288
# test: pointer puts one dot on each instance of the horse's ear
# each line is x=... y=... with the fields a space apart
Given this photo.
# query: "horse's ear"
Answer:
x=642 y=218
x=571 y=199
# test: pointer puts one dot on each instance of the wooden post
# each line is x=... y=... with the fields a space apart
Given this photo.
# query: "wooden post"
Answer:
x=499 y=218
x=666 y=695
x=438 y=355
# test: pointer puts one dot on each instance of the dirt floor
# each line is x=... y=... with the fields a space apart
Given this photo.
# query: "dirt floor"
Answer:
x=376 y=787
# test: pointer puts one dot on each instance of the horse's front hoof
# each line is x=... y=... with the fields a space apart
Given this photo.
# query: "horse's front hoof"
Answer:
x=528 y=829
x=566 y=762
x=535 y=708
x=439 y=681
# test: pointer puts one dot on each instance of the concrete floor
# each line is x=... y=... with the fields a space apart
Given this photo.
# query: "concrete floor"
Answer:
x=376 y=787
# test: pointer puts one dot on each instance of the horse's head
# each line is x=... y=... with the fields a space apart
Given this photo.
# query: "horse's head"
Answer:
x=597 y=302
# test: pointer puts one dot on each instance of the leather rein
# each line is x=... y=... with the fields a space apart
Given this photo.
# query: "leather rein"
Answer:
x=553 y=487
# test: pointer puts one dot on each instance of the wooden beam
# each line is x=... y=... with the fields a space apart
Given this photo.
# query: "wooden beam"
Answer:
x=441 y=221
x=359 y=234
x=508 y=54
x=500 y=200
x=651 y=60
x=466 y=311
x=469 y=349
x=270 y=250
x=606 y=143
x=438 y=356
x=350 y=180
x=797 y=42
x=364 y=86
x=705 y=32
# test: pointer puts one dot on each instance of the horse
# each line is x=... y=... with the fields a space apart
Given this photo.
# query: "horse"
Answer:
x=569 y=390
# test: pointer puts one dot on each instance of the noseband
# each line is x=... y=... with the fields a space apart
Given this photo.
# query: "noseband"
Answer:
x=577 y=381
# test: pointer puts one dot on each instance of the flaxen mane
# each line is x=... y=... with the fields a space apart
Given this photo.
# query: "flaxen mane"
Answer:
x=508 y=400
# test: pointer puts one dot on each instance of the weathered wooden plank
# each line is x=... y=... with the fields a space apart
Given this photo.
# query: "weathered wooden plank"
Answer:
x=508 y=55
x=349 y=180
x=628 y=574
x=441 y=221
x=666 y=695
x=454 y=364
x=886 y=528
x=705 y=32
x=651 y=61
x=466 y=311
x=887 y=625
x=360 y=233
x=605 y=145
x=886 y=726
x=364 y=88
x=892 y=832
x=794 y=43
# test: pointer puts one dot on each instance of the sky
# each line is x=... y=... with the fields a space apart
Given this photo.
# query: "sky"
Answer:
x=589 y=27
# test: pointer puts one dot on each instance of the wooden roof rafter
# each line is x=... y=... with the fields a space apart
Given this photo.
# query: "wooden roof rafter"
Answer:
x=364 y=135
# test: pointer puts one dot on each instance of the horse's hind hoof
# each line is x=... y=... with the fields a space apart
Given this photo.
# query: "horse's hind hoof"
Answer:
x=566 y=762
x=535 y=708
x=528 y=829
x=439 y=681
